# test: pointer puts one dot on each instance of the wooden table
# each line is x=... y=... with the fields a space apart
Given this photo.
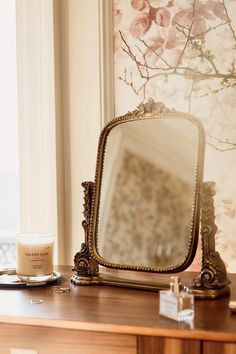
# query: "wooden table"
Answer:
x=109 y=320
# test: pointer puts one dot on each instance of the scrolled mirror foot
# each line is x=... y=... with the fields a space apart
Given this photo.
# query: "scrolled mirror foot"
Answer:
x=212 y=281
x=84 y=264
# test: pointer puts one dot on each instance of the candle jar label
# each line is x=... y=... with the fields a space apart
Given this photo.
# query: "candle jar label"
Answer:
x=35 y=256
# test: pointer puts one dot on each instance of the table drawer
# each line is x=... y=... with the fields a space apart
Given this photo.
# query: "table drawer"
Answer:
x=48 y=340
x=161 y=345
x=218 y=348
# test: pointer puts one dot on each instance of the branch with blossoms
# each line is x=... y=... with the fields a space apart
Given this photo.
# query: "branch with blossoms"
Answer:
x=228 y=78
x=189 y=39
x=186 y=34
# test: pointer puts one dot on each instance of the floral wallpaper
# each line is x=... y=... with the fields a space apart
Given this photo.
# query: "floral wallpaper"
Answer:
x=182 y=53
x=150 y=205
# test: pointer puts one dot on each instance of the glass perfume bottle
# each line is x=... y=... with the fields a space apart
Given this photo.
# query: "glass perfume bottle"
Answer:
x=176 y=303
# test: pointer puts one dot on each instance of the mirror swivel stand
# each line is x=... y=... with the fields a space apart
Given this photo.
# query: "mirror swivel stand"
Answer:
x=212 y=281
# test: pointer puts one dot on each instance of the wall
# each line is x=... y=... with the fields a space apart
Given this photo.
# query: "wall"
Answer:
x=182 y=53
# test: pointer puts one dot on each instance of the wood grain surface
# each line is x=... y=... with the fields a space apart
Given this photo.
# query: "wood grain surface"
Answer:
x=160 y=345
x=116 y=310
x=219 y=348
x=64 y=341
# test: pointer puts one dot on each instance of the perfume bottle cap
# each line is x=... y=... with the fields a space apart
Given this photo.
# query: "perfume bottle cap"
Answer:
x=175 y=284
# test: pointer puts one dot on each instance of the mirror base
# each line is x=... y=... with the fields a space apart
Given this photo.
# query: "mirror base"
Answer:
x=104 y=279
x=212 y=281
x=203 y=293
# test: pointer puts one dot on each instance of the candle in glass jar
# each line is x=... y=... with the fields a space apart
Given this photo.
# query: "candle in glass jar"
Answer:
x=34 y=256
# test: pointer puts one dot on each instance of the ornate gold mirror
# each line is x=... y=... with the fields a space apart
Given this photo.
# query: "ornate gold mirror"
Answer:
x=146 y=197
x=143 y=211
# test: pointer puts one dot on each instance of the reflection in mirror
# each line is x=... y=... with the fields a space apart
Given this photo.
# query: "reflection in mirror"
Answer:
x=147 y=193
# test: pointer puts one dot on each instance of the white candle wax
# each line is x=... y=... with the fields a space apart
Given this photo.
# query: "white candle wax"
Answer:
x=35 y=256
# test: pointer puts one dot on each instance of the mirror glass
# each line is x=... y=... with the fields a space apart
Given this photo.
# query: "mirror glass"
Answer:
x=147 y=193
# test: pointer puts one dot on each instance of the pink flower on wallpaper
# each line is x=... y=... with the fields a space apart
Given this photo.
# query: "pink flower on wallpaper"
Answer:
x=140 y=24
x=155 y=44
x=157 y=11
x=219 y=11
x=156 y=49
x=184 y=18
x=225 y=209
x=162 y=17
x=152 y=14
x=138 y=4
x=229 y=209
x=203 y=11
x=174 y=39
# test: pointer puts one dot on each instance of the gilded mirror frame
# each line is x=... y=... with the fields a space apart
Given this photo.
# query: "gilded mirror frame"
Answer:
x=150 y=110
